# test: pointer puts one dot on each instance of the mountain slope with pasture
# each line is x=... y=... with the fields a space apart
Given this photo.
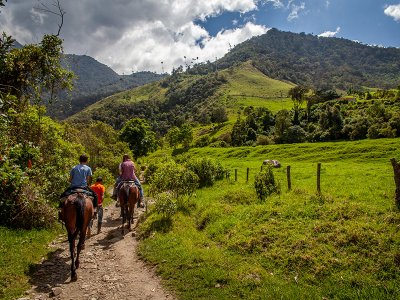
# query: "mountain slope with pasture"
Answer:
x=191 y=98
x=318 y=61
x=93 y=82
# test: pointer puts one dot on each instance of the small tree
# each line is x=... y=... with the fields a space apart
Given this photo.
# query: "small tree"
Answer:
x=186 y=135
x=139 y=136
x=282 y=124
x=298 y=96
x=265 y=184
x=173 y=137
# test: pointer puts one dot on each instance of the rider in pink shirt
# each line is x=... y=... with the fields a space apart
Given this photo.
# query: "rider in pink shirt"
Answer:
x=127 y=173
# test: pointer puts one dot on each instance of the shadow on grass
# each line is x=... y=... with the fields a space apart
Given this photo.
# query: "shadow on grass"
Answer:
x=54 y=270
x=179 y=151
x=163 y=225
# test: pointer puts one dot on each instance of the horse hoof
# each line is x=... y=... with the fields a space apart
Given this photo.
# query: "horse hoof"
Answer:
x=74 y=277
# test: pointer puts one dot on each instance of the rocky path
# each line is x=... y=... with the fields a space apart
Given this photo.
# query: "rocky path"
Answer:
x=110 y=268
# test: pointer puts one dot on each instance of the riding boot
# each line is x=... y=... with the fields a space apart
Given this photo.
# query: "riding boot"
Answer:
x=61 y=214
x=114 y=194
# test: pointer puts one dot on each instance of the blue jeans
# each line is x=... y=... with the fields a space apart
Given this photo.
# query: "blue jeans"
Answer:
x=99 y=216
x=137 y=183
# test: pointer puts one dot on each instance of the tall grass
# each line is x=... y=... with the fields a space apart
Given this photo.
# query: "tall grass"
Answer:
x=20 y=251
x=342 y=244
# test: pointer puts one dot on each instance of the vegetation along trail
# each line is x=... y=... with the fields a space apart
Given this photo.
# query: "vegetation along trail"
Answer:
x=110 y=268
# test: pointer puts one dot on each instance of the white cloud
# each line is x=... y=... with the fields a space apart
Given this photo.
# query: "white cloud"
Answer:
x=144 y=50
x=327 y=3
x=38 y=16
x=330 y=33
x=134 y=35
x=294 y=10
x=276 y=3
x=393 y=11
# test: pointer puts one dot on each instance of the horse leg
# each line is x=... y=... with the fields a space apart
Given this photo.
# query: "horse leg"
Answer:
x=131 y=211
x=129 y=219
x=123 y=218
x=81 y=245
x=71 y=240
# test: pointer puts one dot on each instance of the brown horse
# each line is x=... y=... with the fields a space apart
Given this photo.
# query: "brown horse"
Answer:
x=78 y=211
x=128 y=196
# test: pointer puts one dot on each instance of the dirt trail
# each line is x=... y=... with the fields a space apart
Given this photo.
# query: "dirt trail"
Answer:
x=110 y=268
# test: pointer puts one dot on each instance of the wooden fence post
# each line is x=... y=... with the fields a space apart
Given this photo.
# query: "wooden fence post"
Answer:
x=319 y=178
x=247 y=175
x=289 y=182
x=396 y=170
x=235 y=174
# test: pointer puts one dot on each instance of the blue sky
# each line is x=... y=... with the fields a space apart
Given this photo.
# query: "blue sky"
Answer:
x=159 y=35
x=361 y=20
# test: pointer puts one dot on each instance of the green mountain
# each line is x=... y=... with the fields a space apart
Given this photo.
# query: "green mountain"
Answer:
x=93 y=82
x=184 y=98
x=318 y=61
x=259 y=73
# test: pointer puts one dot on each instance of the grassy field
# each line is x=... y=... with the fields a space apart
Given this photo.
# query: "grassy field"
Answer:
x=247 y=86
x=343 y=244
x=20 y=251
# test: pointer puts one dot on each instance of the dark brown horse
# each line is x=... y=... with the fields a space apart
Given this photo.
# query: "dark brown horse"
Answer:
x=78 y=211
x=128 y=196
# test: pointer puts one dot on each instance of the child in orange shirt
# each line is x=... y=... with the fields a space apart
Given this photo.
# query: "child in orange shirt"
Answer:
x=99 y=189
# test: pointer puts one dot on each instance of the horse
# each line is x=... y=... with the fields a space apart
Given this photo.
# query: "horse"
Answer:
x=128 y=196
x=78 y=211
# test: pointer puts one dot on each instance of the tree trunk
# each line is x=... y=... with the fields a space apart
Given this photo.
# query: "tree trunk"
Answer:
x=396 y=170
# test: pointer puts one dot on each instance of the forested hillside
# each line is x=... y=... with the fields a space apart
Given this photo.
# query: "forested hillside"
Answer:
x=93 y=81
x=318 y=61
x=242 y=106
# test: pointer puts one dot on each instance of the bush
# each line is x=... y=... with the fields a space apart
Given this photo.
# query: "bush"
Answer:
x=207 y=170
x=149 y=172
x=22 y=204
x=108 y=178
x=32 y=210
x=165 y=204
x=11 y=180
x=265 y=183
x=174 y=178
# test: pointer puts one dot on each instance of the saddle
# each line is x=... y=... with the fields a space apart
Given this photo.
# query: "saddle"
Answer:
x=72 y=195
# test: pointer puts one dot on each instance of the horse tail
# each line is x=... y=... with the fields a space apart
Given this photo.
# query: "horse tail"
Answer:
x=80 y=211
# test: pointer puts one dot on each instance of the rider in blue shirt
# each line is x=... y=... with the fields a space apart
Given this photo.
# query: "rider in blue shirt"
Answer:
x=80 y=178
x=80 y=175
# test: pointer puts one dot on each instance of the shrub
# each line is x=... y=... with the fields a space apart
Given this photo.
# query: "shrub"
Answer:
x=265 y=183
x=165 y=204
x=108 y=178
x=207 y=170
x=32 y=210
x=149 y=172
x=174 y=178
x=11 y=180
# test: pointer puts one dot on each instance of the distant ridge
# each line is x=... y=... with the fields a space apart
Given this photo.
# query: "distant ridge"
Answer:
x=93 y=82
x=318 y=61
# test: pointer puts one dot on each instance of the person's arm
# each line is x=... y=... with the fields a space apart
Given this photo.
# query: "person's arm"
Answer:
x=120 y=169
x=102 y=194
x=89 y=177
x=89 y=180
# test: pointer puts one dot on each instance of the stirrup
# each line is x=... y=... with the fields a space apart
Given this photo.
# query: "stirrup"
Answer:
x=60 y=217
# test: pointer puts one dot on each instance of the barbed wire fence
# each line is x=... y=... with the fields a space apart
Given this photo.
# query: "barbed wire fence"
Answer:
x=247 y=175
